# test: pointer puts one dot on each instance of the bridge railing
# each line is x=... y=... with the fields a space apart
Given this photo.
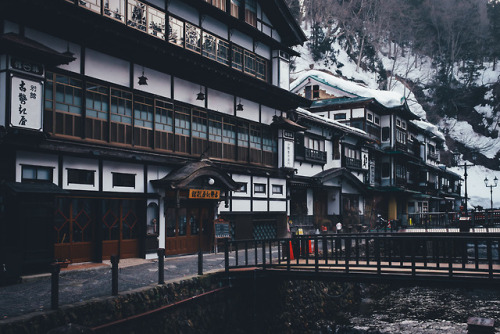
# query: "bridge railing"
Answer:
x=430 y=254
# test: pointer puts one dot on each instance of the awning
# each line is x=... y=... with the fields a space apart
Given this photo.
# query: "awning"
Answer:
x=191 y=174
x=34 y=188
x=17 y=45
x=287 y=124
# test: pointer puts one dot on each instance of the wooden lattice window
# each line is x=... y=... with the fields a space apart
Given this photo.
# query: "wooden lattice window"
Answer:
x=176 y=31
x=164 y=125
x=97 y=112
x=182 y=129
x=237 y=58
x=121 y=116
x=193 y=38
x=143 y=121
x=115 y=9
x=63 y=95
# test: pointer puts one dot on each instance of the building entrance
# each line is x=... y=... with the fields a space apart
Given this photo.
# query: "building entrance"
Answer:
x=188 y=228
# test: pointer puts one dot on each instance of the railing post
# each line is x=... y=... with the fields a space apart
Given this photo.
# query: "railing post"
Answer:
x=450 y=258
x=200 y=262
x=490 y=259
x=263 y=255
x=377 y=255
x=325 y=249
x=413 y=269
x=55 y=269
x=289 y=247
x=316 y=255
x=114 y=274
x=347 y=254
x=226 y=255
x=161 y=265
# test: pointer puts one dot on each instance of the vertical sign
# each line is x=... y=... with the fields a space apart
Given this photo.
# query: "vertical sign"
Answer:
x=289 y=154
x=26 y=104
x=364 y=160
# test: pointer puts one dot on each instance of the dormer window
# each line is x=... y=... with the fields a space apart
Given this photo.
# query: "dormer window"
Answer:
x=315 y=91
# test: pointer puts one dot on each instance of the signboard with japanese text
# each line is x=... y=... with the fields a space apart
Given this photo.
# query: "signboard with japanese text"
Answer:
x=364 y=160
x=288 y=154
x=204 y=194
x=26 y=103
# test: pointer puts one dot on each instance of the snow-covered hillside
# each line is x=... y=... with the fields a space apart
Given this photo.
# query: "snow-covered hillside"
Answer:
x=420 y=70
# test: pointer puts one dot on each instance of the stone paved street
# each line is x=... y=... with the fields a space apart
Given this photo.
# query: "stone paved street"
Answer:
x=84 y=282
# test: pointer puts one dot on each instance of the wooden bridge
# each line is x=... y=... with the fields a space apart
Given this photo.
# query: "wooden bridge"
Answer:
x=372 y=257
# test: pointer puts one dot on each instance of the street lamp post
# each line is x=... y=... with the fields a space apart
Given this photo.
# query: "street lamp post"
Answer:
x=465 y=165
x=491 y=186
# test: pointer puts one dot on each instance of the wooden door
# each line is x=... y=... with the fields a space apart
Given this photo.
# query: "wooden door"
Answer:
x=187 y=229
x=120 y=228
x=74 y=225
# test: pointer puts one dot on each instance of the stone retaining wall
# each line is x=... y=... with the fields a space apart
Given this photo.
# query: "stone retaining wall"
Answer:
x=250 y=306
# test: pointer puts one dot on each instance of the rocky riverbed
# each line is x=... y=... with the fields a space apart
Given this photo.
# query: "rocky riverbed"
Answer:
x=419 y=310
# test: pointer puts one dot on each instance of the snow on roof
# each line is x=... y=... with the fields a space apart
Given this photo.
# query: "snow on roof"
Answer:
x=424 y=125
x=332 y=122
x=386 y=98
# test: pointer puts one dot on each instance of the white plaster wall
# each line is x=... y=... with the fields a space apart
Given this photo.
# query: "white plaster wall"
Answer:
x=334 y=202
x=259 y=206
x=186 y=91
x=385 y=120
x=107 y=68
x=37 y=159
x=3 y=94
x=158 y=3
x=240 y=205
x=267 y=114
x=180 y=9
x=59 y=45
x=109 y=167
x=158 y=83
x=359 y=112
x=284 y=75
x=241 y=39
x=275 y=35
x=214 y=26
x=277 y=206
x=220 y=101
x=263 y=50
x=80 y=163
x=307 y=168
x=156 y=173
x=348 y=188
x=250 y=110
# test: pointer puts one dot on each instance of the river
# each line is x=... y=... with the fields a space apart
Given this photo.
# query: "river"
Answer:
x=419 y=310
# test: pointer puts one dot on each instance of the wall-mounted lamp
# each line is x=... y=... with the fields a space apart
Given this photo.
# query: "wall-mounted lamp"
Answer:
x=143 y=80
x=239 y=106
x=211 y=181
x=67 y=52
x=200 y=96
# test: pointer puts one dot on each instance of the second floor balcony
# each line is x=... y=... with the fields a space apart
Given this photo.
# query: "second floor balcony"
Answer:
x=353 y=163
x=314 y=156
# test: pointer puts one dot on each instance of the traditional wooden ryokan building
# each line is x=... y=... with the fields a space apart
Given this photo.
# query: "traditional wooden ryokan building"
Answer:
x=129 y=125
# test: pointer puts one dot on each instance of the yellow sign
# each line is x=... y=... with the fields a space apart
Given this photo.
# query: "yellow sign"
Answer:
x=204 y=194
